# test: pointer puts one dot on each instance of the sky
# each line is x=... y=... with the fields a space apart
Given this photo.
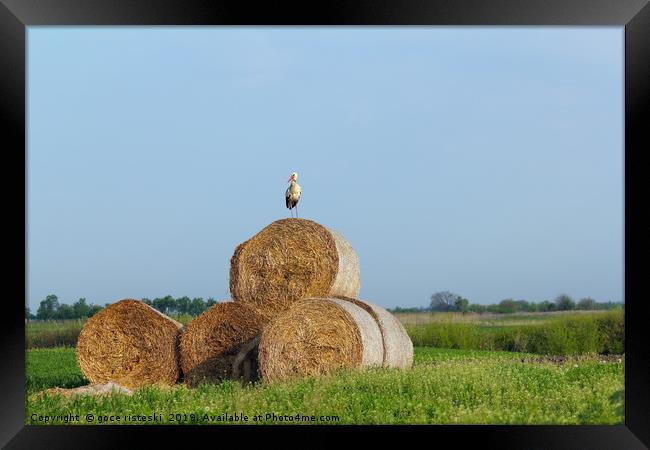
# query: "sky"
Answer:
x=486 y=161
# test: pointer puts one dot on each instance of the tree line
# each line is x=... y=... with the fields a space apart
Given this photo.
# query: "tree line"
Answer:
x=446 y=301
x=51 y=309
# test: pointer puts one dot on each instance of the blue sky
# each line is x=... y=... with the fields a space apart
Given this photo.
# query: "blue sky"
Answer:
x=487 y=161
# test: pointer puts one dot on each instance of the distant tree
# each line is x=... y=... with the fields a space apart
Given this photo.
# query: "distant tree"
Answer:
x=94 y=309
x=610 y=305
x=159 y=304
x=48 y=308
x=64 y=312
x=461 y=304
x=165 y=305
x=28 y=314
x=197 y=306
x=493 y=308
x=443 y=301
x=80 y=308
x=586 y=304
x=210 y=302
x=507 y=306
x=564 y=303
x=523 y=305
x=475 y=307
x=147 y=301
x=411 y=309
x=183 y=305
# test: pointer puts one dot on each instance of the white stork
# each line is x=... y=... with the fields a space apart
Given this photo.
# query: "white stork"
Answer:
x=293 y=193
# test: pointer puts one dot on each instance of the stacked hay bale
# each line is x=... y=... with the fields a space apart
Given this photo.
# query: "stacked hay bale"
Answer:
x=212 y=342
x=320 y=335
x=305 y=279
x=317 y=336
x=295 y=313
x=131 y=344
x=289 y=260
x=398 y=347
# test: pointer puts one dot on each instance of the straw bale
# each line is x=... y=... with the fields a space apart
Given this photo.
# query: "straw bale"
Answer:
x=131 y=344
x=289 y=260
x=317 y=336
x=213 y=340
x=398 y=347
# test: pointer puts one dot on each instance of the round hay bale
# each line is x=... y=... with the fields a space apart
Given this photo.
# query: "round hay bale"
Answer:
x=398 y=347
x=212 y=341
x=131 y=344
x=317 y=336
x=289 y=260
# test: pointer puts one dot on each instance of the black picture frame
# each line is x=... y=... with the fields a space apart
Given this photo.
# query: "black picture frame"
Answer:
x=634 y=15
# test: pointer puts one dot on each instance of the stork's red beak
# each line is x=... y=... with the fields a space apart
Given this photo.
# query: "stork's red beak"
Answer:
x=290 y=178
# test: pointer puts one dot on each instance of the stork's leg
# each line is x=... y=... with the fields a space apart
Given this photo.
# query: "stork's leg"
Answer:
x=296 y=210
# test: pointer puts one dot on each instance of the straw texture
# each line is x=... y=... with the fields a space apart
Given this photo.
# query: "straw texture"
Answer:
x=131 y=344
x=213 y=340
x=289 y=260
x=398 y=347
x=317 y=336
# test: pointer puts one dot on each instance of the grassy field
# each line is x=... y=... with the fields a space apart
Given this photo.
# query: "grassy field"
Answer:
x=549 y=334
x=444 y=387
x=52 y=333
x=490 y=319
x=556 y=333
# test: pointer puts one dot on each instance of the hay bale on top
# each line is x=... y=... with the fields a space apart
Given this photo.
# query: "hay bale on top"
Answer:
x=212 y=341
x=398 y=347
x=289 y=260
x=131 y=344
x=319 y=335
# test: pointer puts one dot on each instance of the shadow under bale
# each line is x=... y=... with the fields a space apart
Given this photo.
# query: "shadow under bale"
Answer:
x=217 y=344
x=238 y=362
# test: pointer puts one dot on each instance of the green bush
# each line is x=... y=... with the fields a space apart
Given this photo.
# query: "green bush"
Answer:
x=611 y=328
x=574 y=335
x=47 y=334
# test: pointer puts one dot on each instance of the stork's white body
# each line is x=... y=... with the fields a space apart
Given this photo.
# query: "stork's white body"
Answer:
x=292 y=195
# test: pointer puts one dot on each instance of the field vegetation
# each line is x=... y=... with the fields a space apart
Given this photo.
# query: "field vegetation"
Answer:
x=561 y=367
x=557 y=333
x=573 y=333
x=444 y=387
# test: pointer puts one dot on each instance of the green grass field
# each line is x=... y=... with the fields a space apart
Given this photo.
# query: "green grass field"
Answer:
x=444 y=387
x=549 y=334
x=559 y=333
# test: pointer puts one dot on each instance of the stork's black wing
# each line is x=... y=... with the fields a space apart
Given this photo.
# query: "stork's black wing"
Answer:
x=287 y=199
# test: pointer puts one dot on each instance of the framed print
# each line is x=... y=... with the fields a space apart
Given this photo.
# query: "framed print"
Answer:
x=363 y=217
